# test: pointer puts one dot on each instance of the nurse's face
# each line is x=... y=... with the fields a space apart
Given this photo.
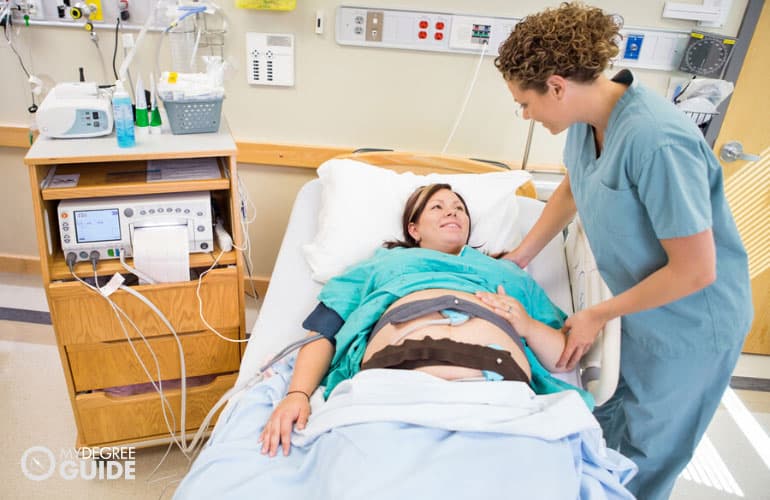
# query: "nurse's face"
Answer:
x=545 y=109
x=443 y=225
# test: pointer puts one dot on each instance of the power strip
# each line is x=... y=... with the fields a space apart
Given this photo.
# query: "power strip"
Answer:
x=224 y=240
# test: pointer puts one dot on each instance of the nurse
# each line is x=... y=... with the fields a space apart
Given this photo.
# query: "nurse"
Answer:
x=649 y=192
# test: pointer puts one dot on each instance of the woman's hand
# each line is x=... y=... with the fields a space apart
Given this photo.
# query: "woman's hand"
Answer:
x=295 y=407
x=583 y=328
x=509 y=308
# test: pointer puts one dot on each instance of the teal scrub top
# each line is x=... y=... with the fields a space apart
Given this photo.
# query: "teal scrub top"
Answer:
x=657 y=178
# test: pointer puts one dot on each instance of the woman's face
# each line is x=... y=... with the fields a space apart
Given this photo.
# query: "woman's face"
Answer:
x=545 y=108
x=443 y=225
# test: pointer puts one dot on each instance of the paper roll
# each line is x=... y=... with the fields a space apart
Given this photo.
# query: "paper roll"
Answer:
x=162 y=253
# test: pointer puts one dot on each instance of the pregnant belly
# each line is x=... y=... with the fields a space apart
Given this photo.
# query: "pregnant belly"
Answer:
x=476 y=331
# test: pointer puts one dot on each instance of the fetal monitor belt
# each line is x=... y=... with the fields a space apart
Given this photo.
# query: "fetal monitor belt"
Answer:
x=428 y=351
x=419 y=308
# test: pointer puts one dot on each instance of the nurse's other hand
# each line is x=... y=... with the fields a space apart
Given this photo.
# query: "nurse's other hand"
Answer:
x=517 y=257
x=583 y=328
x=295 y=407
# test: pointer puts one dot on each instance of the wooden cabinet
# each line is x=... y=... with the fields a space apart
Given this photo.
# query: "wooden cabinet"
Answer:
x=108 y=386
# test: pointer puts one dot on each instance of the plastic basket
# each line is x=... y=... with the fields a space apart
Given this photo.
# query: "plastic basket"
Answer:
x=191 y=116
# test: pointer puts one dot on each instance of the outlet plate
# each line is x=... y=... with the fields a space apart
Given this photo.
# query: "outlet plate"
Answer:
x=374 y=26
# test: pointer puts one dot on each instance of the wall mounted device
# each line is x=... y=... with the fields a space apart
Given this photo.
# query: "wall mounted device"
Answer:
x=707 y=54
x=647 y=48
x=75 y=110
x=107 y=224
x=270 y=59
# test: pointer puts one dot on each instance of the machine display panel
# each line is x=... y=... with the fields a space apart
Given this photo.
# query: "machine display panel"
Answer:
x=93 y=226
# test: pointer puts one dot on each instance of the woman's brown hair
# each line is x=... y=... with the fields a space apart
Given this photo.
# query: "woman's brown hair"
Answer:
x=414 y=207
x=573 y=41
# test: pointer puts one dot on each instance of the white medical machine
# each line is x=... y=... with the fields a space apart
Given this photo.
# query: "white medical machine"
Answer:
x=75 y=110
x=107 y=225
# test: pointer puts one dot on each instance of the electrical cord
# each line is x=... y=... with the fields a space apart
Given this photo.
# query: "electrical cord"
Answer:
x=165 y=405
x=115 y=48
x=136 y=272
x=33 y=108
x=200 y=302
x=467 y=98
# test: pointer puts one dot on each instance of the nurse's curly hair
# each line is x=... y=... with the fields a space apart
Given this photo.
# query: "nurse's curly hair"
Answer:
x=574 y=41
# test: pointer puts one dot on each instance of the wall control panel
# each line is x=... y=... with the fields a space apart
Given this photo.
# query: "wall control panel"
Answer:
x=432 y=31
x=651 y=49
x=270 y=59
x=463 y=33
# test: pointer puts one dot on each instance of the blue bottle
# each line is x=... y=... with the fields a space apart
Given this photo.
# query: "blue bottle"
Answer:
x=123 y=116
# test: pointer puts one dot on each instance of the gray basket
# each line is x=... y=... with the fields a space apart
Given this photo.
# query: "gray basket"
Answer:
x=190 y=116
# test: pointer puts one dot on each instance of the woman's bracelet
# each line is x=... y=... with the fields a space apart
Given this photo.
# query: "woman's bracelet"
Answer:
x=300 y=392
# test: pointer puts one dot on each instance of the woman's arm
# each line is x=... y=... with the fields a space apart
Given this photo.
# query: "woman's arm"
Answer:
x=691 y=267
x=558 y=212
x=547 y=343
x=312 y=364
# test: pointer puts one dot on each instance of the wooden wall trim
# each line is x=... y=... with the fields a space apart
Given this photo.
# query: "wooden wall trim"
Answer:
x=257 y=153
x=19 y=264
x=286 y=155
x=14 y=136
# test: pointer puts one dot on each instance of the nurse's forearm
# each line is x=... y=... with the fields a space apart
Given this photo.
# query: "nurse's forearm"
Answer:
x=558 y=212
x=691 y=267
x=312 y=364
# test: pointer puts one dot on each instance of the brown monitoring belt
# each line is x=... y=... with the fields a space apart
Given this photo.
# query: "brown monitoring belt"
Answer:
x=445 y=352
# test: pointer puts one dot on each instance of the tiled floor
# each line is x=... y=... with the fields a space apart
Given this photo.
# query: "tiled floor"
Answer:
x=733 y=461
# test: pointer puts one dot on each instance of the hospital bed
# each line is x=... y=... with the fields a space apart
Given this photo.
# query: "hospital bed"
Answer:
x=428 y=438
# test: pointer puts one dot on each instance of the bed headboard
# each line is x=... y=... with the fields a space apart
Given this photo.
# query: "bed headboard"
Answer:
x=422 y=164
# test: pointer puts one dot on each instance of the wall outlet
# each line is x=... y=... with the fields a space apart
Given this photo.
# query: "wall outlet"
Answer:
x=270 y=59
x=374 y=22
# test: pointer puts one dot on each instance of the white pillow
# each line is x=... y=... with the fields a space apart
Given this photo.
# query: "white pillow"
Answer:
x=362 y=205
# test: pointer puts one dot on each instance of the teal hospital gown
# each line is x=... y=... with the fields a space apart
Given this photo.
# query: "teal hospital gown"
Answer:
x=362 y=294
x=657 y=178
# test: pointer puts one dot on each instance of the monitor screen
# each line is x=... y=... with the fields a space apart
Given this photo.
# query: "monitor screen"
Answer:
x=92 y=226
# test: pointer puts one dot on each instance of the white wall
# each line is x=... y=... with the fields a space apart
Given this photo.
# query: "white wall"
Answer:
x=344 y=96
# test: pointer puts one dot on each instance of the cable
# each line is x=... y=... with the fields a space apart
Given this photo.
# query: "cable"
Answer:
x=136 y=272
x=467 y=98
x=200 y=302
x=165 y=405
x=115 y=48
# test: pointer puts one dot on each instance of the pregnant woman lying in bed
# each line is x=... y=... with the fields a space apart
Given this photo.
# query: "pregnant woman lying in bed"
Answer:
x=427 y=303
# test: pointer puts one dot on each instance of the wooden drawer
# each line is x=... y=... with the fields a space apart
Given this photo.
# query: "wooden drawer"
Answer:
x=80 y=316
x=106 y=419
x=96 y=366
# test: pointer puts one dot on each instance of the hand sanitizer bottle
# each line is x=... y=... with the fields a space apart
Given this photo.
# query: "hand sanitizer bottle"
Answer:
x=123 y=116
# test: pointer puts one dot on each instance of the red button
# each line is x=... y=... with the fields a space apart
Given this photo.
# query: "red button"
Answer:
x=423 y=24
x=438 y=36
x=439 y=25
x=422 y=34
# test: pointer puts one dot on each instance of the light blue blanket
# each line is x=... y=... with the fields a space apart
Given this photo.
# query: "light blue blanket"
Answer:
x=388 y=434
